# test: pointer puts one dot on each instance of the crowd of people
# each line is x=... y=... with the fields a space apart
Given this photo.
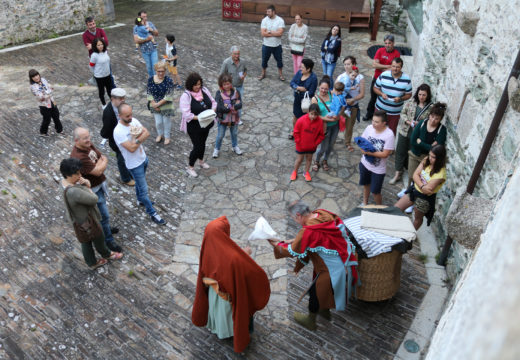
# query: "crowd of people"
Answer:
x=321 y=109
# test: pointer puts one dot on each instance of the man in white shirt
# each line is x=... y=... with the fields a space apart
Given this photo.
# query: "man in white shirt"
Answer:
x=271 y=30
x=129 y=135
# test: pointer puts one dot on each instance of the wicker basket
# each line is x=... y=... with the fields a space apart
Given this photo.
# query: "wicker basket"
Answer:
x=380 y=276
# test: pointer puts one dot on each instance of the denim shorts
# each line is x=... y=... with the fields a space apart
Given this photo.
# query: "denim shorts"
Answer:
x=367 y=177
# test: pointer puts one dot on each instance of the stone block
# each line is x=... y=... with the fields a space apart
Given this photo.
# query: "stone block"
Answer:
x=514 y=93
x=468 y=21
x=467 y=218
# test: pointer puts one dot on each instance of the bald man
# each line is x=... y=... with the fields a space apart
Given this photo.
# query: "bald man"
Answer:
x=93 y=166
x=129 y=136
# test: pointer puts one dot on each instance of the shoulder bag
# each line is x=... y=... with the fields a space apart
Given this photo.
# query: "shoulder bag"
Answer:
x=87 y=231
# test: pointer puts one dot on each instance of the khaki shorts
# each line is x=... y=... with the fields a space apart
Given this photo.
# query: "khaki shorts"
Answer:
x=172 y=69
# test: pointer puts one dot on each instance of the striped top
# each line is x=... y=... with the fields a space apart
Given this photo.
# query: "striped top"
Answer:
x=393 y=88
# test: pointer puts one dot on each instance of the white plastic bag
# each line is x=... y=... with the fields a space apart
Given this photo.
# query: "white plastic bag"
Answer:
x=262 y=231
x=306 y=102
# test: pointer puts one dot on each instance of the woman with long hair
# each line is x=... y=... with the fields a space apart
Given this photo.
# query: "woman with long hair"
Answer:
x=331 y=51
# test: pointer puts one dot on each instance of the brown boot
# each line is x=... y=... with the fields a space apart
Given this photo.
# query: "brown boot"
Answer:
x=306 y=320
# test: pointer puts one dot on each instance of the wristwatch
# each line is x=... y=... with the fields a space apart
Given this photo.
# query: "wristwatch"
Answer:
x=137 y=141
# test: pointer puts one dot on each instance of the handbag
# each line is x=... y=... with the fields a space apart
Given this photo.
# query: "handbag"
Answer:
x=88 y=230
x=306 y=102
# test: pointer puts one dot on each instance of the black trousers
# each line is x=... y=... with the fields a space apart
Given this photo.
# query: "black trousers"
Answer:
x=48 y=114
x=102 y=84
x=372 y=103
x=198 y=138
x=314 y=304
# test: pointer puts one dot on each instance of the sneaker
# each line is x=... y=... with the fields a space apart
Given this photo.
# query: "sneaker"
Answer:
x=240 y=122
x=400 y=194
x=112 y=245
x=158 y=220
x=362 y=205
x=215 y=153
x=191 y=172
x=307 y=176
x=203 y=165
x=237 y=150
x=294 y=175
x=44 y=135
x=409 y=209
x=114 y=230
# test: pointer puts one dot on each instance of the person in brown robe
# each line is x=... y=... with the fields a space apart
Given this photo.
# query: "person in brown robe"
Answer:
x=237 y=277
x=322 y=242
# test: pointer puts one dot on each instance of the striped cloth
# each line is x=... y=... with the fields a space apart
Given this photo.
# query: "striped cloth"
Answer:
x=392 y=88
x=373 y=243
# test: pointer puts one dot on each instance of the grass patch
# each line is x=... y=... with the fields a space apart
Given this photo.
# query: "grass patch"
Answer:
x=81 y=85
x=10 y=181
x=423 y=258
x=5 y=192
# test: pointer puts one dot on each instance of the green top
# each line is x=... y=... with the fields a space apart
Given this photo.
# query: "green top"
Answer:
x=325 y=108
x=419 y=132
x=81 y=202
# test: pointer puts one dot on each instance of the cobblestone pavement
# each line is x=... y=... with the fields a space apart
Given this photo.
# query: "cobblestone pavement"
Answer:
x=53 y=307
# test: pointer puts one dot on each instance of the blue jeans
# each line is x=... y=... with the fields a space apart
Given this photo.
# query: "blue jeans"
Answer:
x=328 y=69
x=233 y=130
x=275 y=51
x=123 y=171
x=150 y=59
x=105 y=218
x=141 y=187
x=163 y=124
x=328 y=143
x=240 y=90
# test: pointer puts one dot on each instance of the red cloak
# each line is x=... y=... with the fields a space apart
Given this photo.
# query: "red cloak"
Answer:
x=237 y=274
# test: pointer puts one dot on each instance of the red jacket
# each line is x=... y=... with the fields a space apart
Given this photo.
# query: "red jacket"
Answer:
x=88 y=38
x=308 y=134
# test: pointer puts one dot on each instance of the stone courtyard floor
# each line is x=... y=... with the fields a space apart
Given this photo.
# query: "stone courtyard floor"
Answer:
x=53 y=307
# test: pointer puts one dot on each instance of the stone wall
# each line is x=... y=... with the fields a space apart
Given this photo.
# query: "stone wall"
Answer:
x=393 y=17
x=33 y=20
x=479 y=321
x=465 y=53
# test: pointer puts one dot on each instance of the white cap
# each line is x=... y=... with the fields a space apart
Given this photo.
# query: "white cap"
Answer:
x=118 y=92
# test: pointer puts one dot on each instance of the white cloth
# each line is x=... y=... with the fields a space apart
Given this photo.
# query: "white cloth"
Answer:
x=262 y=231
x=391 y=225
x=102 y=64
x=122 y=134
x=372 y=243
x=272 y=25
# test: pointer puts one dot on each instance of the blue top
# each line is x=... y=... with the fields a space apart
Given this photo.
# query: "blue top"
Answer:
x=142 y=31
x=338 y=101
x=146 y=47
x=311 y=83
x=331 y=49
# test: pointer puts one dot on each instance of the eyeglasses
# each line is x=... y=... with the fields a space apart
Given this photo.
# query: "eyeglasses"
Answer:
x=160 y=71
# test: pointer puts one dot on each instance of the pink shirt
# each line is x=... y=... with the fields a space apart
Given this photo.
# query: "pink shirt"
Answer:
x=185 y=106
x=381 y=141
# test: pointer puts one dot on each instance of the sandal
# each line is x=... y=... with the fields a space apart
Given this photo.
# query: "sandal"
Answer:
x=316 y=166
x=261 y=77
x=115 y=255
x=281 y=78
x=350 y=147
x=99 y=263
x=325 y=165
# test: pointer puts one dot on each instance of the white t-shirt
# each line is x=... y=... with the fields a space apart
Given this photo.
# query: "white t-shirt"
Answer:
x=122 y=134
x=381 y=141
x=272 y=25
x=102 y=61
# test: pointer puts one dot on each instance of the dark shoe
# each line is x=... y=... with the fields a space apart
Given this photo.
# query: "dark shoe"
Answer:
x=158 y=220
x=114 y=247
x=141 y=204
x=114 y=230
x=325 y=313
x=366 y=119
x=306 y=320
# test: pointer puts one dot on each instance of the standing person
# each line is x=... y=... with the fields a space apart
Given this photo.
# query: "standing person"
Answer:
x=160 y=97
x=43 y=92
x=231 y=286
x=228 y=105
x=93 y=166
x=298 y=36
x=238 y=71
x=413 y=112
x=331 y=51
x=349 y=62
x=271 y=29
x=171 y=59
x=393 y=88
x=428 y=179
x=80 y=205
x=110 y=120
x=324 y=241
x=382 y=62
x=372 y=173
x=324 y=100
x=100 y=66
x=129 y=135
x=308 y=134
x=193 y=101
x=148 y=51
x=304 y=81
x=89 y=35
